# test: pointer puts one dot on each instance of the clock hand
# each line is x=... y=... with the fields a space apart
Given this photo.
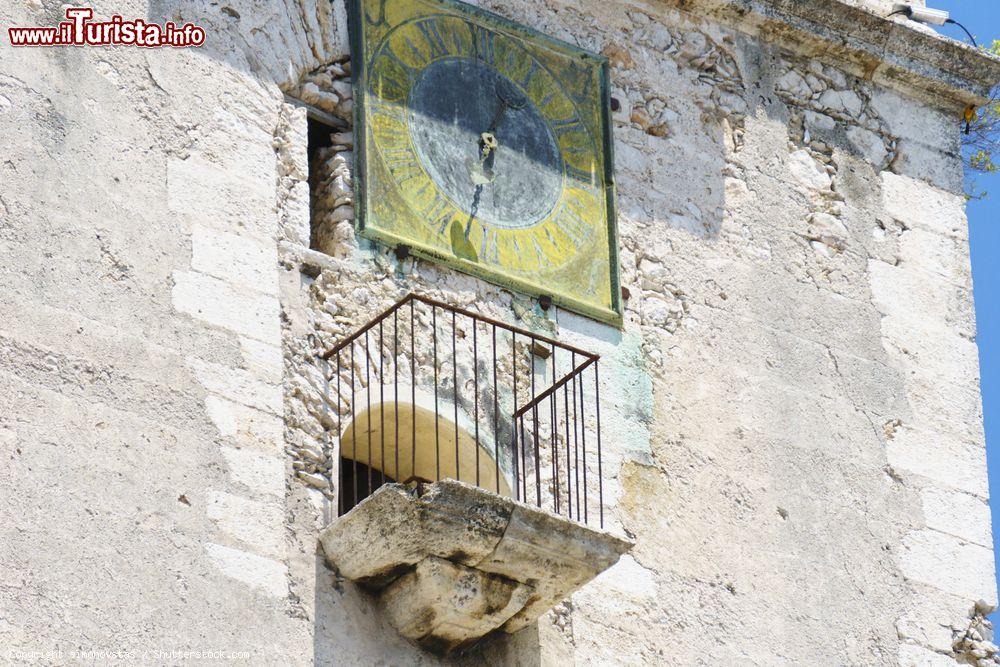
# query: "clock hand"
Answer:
x=510 y=98
x=473 y=210
x=509 y=95
x=498 y=116
x=481 y=175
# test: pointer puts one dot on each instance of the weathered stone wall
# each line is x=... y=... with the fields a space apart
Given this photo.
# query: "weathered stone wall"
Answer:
x=792 y=419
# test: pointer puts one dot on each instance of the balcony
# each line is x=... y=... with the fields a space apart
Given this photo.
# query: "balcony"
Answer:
x=470 y=494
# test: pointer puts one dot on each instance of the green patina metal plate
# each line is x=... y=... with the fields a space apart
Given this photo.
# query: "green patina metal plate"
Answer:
x=486 y=146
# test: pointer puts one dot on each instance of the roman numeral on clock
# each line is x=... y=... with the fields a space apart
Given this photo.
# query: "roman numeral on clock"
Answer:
x=540 y=256
x=526 y=79
x=401 y=164
x=572 y=225
x=432 y=35
x=489 y=249
x=438 y=214
x=484 y=43
x=392 y=74
x=581 y=175
x=566 y=125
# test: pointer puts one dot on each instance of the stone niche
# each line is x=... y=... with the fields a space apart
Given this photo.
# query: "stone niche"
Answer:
x=453 y=563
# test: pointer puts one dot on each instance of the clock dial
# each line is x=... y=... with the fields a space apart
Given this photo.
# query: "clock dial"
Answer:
x=452 y=104
x=486 y=146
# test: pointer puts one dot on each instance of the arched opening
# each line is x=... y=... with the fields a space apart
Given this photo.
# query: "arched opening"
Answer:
x=399 y=441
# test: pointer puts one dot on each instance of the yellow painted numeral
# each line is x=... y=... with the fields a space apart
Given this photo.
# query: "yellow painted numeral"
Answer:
x=483 y=43
x=432 y=36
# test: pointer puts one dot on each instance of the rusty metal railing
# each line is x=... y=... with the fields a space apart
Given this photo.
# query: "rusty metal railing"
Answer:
x=427 y=391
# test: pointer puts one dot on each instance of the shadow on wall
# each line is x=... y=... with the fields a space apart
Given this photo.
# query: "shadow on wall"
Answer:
x=350 y=629
x=270 y=40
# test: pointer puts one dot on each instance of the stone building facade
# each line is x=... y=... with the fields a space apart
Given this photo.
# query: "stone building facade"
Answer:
x=793 y=433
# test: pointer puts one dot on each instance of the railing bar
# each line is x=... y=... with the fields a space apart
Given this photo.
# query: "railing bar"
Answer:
x=514 y=422
x=410 y=298
x=503 y=325
x=583 y=447
x=524 y=462
x=381 y=397
x=538 y=458
x=545 y=394
x=475 y=384
x=554 y=446
x=576 y=447
x=413 y=394
x=600 y=472
x=569 y=462
x=437 y=437
x=354 y=430
x=367 y=327
x=327 y=448
x=496 y=411
x=395 y=384
x=534 y=420
x=454 y=387
x=524 y=450
x=368 y=417
x=524 y=471
x=340 y=434
x=555 y=452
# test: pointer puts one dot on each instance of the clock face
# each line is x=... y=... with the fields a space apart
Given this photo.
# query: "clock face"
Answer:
x=486 y=146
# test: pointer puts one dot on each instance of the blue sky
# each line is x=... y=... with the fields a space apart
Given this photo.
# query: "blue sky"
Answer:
x=982 y=18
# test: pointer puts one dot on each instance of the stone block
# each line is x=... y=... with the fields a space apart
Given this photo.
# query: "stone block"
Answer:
x=917 y=297
x=949 y=564
x=262 y=359
x=238 y=259
x=946 y=408
x=808 y=172
x=295 y=214
x=200 y=190
x=945 y=256
x=923 y=206
x=959 y=514
x=259 y=525
x=557 y=555
x=441 y=605
x=246 y=426
x=933 y=128
x=265 y=574
x=378 y=540
x=263 y=474
x=933 y=351
x=929 y=615
x=918 y=656
x=455 y=562
x=451 y=520
x=218 y=303
x=238 y=385
x=868 y=144
x=946 y=459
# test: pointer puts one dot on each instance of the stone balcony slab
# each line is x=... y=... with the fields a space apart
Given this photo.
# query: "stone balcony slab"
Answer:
x=453 y=563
